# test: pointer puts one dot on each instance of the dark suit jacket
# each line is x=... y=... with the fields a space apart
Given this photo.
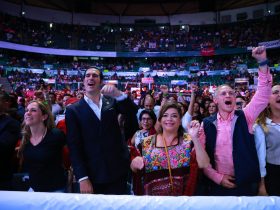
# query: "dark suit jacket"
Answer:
x=9 y=135
x=97 y=149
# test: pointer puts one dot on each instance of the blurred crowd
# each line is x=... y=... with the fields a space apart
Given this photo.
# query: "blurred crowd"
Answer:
x=138 y=39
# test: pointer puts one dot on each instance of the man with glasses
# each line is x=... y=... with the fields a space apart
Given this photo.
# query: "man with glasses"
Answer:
x=229 y=140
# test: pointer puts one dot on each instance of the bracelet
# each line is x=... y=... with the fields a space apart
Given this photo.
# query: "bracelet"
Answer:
x=263 y=63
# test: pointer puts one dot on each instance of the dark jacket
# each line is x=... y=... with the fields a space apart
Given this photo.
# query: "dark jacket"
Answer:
x=97 y=149
x=9 y=135
x=245 y=159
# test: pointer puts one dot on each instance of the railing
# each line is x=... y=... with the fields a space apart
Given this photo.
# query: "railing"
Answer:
x=31 y=200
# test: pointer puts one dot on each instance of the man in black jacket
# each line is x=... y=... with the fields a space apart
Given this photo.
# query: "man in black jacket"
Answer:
x=98 y=152
x=9 y=135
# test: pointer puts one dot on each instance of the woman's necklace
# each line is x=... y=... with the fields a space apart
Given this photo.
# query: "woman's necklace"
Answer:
x=36 y=141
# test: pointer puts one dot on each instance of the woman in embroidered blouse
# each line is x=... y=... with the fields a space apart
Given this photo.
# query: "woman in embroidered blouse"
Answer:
x=267 y=133
x=166 y=157
x=41 y=149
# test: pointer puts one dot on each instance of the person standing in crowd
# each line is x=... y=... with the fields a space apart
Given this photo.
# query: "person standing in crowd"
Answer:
x=134 y=97
x=197 y=112
x=41 y=149
x=147 y=120
x=149 y=104
x=229 y=140
x=167 y=156
x=267 y=132
x=56 y=108
x=98 y=152
x=43 y=96
x=240 y=103
x=212 y=108
x=9 y=135
x=21 y=107
x=187 y=117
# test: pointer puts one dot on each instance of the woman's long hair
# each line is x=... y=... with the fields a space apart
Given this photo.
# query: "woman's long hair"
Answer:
x=26 y=132
x=261 y=120
x=163 y=109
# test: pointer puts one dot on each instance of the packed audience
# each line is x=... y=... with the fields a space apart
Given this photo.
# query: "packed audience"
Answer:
x=138 y=39
x=173 y=137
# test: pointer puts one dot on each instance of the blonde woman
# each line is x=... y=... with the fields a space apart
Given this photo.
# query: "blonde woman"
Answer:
x=267 y=132
x=41 y=149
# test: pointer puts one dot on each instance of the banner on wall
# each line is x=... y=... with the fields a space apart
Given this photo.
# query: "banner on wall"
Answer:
x=147 y=80
x=270 y=44
x=194 y=68
x=49 y=81
x=178 y=82
x=144 y=69
x=207 y=51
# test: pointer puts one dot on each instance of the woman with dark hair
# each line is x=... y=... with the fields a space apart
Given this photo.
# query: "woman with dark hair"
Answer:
x=167 y=157
x=183 y=107
x=147 y=121
x=212 y=109
x=197 y=112
x=41 y=149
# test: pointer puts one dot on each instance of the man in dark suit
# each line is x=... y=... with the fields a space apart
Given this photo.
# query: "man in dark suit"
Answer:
x=9 y=135
x=98 y=152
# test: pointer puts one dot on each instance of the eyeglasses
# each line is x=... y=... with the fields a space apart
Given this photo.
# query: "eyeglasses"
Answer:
x=146 y=119
x=275 y=92
x=230 y=93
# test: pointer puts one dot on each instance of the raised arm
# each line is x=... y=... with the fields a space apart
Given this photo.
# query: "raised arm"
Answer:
x=187 y=118
x=201 y=155
x=261 y=97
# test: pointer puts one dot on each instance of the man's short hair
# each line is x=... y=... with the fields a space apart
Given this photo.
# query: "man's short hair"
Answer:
x=96 y=68
x=219 y=87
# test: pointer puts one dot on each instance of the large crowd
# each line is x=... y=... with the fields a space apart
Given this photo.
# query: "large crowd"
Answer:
x=138 y=38
x=174 y=144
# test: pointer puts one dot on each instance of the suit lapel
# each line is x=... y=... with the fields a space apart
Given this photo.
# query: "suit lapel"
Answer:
x=106 y=104
x=86 y=109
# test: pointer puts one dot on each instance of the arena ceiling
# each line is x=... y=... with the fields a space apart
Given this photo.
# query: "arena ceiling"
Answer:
x=140 y=7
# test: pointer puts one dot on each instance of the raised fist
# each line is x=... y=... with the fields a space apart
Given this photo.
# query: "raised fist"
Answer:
x=110 y=90
x=259 y=53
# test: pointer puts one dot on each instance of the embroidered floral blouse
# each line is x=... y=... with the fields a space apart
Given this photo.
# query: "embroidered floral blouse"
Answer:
x=155 y=158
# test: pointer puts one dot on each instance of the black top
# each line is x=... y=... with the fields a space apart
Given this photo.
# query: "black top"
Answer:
x=44 y=162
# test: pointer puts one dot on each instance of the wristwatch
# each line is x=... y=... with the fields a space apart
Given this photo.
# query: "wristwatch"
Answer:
x=263 y=63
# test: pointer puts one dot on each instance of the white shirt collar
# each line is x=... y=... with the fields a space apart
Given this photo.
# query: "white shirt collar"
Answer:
x=269 y=121
x=95 y=108
x=89 y=101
